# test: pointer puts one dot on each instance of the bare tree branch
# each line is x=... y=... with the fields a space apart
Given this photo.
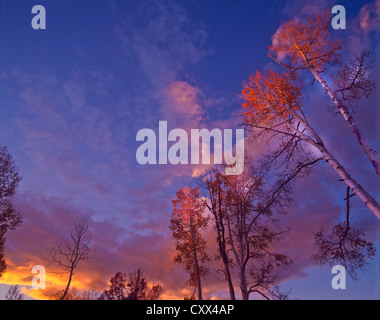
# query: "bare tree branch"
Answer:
x=68 y=253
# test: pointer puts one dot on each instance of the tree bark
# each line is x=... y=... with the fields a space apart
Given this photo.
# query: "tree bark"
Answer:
x=199 y=284
x=222 y=246
x=222 y=251
x=368 y=200
x=371 y=153
x=68 y=285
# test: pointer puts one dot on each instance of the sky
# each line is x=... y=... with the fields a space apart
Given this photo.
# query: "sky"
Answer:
x=74 y=96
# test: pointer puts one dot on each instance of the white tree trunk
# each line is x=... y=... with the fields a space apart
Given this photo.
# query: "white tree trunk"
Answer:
x=369 y=201
x=371 y=153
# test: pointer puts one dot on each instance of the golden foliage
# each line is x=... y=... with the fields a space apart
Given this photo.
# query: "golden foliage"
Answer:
x=306 y=44
x=271 y=99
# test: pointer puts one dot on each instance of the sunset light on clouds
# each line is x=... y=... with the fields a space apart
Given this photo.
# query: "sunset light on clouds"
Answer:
x=74 y=96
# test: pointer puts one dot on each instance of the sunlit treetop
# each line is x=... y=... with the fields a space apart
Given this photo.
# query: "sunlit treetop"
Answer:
x=271 y=98
x=304 y=44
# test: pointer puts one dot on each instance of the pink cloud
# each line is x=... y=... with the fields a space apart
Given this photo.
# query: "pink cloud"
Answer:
x=183 y=101
x=362 y=26
x=369 y=16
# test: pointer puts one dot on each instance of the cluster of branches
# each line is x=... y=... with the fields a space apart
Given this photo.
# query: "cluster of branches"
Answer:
x=14 y=293
x=345 y=245
x=135 y=286
x=69 y=253
x=66 y=256
x=10 y=218
x=273 y=100
x=273 y=107
x=241 y=207
x=244 y=210
x=243 y=213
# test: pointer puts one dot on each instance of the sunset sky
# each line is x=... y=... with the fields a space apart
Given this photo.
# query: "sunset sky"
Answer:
x=73 y=97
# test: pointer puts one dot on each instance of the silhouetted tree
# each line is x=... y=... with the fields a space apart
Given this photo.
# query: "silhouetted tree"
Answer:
x=213 y=198
x=9 y=217
x=68 y=253
x=118 y=287
x=140 y=289
x=253 y=230
x=14 y=293
x=344 y=245
x=187 y=222
x=245 y=219
x=87 y=294
x=132 y=287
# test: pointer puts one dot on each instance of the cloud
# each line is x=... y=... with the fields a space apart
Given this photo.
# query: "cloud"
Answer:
x=357 y=36
x=301 y=8
x=162 y=39
x=369 y=16
x=280 y=56
x=74 y=137
x=362 y=27
x=183 y=103
x=47 y=220
x=144 y=245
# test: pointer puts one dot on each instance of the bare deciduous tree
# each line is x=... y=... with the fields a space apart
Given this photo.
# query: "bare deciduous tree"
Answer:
x=246 y=228
x=273 y=104
x=212 y=186
x=253 y=230
x=273 y=107
x=68 y=253
x=354 y=81
x=345 y=245
x=307 y=45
